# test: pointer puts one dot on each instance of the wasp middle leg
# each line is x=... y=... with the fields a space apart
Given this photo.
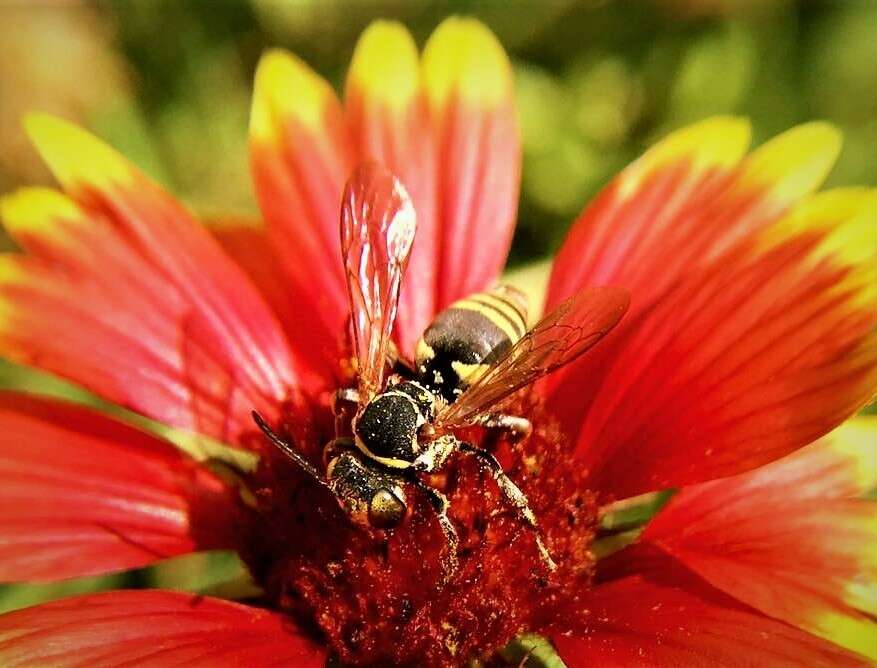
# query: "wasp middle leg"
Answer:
x=513 y=496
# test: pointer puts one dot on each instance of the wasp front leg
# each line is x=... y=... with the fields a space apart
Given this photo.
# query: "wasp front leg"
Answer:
x=336 y=447
x=517 y=428
x=344 y=405
x=343 y=398
x=513 y=496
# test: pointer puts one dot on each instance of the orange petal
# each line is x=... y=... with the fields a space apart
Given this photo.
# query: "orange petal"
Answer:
x=123 y=292
x=685 y=202
x=671 y=210
x=81 y=494
x=248 y=243
x=468 y=83
x=301 y=156
x=742 y=361
x=151 y=629
x=388 y=118
x=685 y=228
x=790 y=539
x=662 y=616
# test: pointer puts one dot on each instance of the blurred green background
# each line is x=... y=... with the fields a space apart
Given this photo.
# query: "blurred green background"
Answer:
x=169 y=84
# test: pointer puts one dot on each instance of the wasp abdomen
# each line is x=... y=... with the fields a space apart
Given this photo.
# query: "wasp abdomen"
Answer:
x=467 y=337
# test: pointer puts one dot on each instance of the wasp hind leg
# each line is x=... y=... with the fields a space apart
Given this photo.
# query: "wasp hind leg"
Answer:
x=517 y=428
x=398 y=363
x=513 y=496
x=440 y=505
x=346 y=395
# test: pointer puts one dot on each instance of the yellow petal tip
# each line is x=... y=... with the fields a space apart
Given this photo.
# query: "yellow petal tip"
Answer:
x=796 y=162
x=286 y=87
x=29 y=209
x=385 y=65
x=856 y=442
x=76 y=157
x=854 y=632
x=11 y=273
x=464 y=58
x=846 y=221
x=719 y=142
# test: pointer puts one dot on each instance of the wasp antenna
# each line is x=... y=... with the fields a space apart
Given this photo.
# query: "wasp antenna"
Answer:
x=287 y=449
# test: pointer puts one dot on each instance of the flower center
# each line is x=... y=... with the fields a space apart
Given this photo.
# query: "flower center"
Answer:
x=381 y=596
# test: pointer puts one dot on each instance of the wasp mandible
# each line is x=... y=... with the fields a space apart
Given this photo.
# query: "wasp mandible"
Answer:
x=474 y=356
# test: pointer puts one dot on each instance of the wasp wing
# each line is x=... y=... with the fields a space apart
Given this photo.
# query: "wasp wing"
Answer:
x=558 y=338
x=377 y=231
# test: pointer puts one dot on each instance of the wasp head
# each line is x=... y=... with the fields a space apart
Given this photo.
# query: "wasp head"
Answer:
x=370 y=496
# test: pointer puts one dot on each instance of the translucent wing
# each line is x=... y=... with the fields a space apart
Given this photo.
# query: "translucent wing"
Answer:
x=568 y=331
x=377 y=231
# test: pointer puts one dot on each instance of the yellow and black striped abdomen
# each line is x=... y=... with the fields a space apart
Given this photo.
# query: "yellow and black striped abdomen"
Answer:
x=468 y=336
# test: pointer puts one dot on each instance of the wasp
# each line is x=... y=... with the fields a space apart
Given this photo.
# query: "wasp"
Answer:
x=474 y=355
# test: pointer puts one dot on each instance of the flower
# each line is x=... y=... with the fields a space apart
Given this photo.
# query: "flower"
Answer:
x=751 y=334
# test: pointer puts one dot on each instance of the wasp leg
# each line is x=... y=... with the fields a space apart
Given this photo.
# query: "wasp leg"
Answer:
x=335 y=447
x=344 y=405
x=287 y=449
x=518 y=428
x=440 y=505
x=513 y=496
x=346 y=395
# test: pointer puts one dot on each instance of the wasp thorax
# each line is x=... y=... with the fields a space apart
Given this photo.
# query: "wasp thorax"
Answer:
x=423 y=398
x=387 y=428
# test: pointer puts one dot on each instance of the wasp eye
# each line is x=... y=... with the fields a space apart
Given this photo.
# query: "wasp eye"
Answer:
x=385 y=510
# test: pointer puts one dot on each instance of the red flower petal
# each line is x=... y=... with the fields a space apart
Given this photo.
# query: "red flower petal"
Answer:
x=667 y=617
x=126 y=294
x=742 y=361
x=82 y=494
x=151 y=628
x=684 y=202
x=301 y=157
x=468 y=83
x=445 y=126
x=249 y=245
x=680 y=206
x=788 y=539
x=389 y=123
